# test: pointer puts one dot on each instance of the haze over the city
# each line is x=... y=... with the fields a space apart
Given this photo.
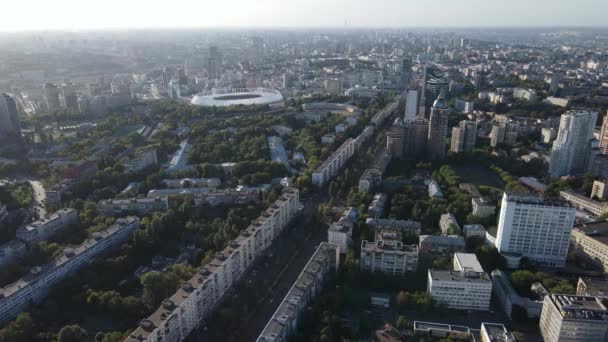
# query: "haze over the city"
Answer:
x=74 y=15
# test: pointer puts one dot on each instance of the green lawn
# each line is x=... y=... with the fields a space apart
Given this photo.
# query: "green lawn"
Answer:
x=478 y=175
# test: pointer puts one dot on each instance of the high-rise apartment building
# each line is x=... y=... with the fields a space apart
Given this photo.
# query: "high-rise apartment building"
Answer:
x=411 y=104
x=395 y=139
x=51 y=96
x=69 y=97
x=536 y=228
x=438 y=129
x=464 y=137
x=9 y=116
x=567 y=318
x=571 y=148
x=604 y=135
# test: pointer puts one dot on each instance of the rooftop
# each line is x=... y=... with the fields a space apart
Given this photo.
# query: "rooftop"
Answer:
x=580 y=307
x=457 y=276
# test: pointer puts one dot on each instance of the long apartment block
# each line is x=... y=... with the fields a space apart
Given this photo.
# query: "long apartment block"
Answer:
x=308 y=285
x=141 y=206
x=34 y=287
x=332 y=165
x=196 y=299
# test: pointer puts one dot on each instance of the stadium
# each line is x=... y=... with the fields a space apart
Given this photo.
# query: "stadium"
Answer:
x=235 y=97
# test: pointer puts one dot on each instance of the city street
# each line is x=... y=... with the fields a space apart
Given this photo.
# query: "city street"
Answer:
x=37 y=208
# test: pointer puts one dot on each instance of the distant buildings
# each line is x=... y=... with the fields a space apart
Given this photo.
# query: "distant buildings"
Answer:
x=464 y=137
x=571 y=148
x=277 y=150
x=47 y=227
x=503 y=133
x=464 y=106
x=574 y=318
x=9 y=116
x=438 y=130
x=51 y=96
x=16 y=297
x=525 y=94
x=141 y=206
x=284 y=321
x=330 y=167
x=388 y=254
x=411 y=104
x=590 y=243
x=467 y=287
x=537 y=228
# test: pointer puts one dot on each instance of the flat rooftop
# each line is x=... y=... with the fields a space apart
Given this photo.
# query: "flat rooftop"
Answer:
x=468 y=261
x=597 y=230
x=580 y=307
x=457 y=276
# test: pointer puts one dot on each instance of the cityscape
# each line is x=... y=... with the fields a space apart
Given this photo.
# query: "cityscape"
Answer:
x=347 y=180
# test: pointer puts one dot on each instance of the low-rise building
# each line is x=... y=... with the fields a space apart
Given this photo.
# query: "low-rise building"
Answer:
x=332 y=165
x=441 y=246
x=184 y=183
x=341 y=233
x=406 y=227
x=508 y=297
x=474 y=230
x=55 y=193
x=11 y=252
x=377 y=207
x=388 y=254
x=370 y=179
x=447 y=221
x=182 y=312
x=467 y=287
x=142 y=161
x=434 y=190
x=34 y=287
x=308 y=285
x=483 y=207
x=494 y=332
x=584 y=203
x=596 y=287
x=47 y=227
x=590 y=243
x=141 y=206
x=600 y=190
x=574 y=318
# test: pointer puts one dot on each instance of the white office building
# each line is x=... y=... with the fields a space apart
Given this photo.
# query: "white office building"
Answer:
x=34 y=287
x=571 y=148
x=181 y=313
x=537 y=228
x=467 y=287
x=568 y=318
x=308 y=285
x=45 y=228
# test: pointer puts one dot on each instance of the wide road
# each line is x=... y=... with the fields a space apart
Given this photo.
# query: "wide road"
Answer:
x=272 y=276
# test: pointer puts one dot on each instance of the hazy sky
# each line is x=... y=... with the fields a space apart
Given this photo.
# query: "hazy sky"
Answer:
x=19 y=15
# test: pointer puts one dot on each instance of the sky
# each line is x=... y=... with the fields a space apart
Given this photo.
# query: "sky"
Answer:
x=33 y=15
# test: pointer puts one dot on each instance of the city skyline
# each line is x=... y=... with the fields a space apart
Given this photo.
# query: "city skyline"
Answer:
x=66 y=15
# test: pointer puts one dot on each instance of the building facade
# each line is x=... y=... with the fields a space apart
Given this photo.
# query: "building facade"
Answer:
x=464 y=137
x=141 y=206
x=332 y=165
x=535 y=227
x=388 y=254
x=590 y=243
x=568 y=318
x=438 y=130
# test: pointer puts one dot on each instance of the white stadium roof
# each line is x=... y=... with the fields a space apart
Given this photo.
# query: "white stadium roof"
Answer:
x=234 y=97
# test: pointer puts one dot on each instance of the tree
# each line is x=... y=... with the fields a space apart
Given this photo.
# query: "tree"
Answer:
x=441 y=264
x=403 y=323
x=72 y=333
